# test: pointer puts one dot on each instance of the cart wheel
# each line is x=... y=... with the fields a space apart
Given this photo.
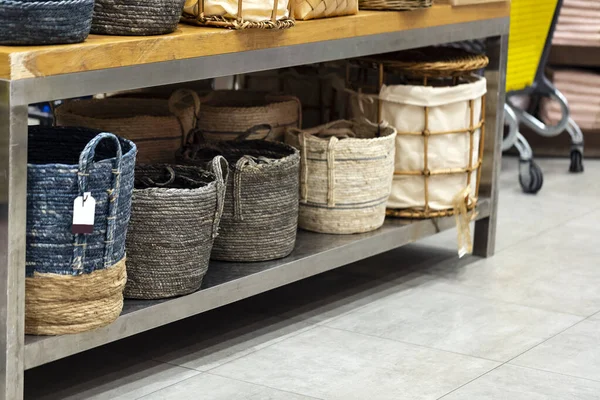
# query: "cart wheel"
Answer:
x=576 y=161
x=531 y=177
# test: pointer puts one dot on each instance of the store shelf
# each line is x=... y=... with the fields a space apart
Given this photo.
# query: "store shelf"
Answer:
x=229 y=282
x=574 y=56
x=111 y=63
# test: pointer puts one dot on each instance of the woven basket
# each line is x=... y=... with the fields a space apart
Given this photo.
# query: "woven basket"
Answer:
x=26 y=22
x=174 y=219
x=136 y=17
x=394 y=5
x=346 y=172
x=227 y=114
x=311 y=9
x=262 y=14
x=75 y=281
x=157 y=126
x=260 y=216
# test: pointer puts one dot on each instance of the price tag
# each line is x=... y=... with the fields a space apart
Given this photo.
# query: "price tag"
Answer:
x=84 y=211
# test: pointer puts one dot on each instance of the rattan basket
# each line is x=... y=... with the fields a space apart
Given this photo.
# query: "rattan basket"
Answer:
x=260 y=216
x=394 y=5
x=174 y=219
x=27 y=22
x=157 y=126
x=311 y=9
x=137 y=17
x=226 y=114
x=264 y=14
x=74 y=282
x=346 y=171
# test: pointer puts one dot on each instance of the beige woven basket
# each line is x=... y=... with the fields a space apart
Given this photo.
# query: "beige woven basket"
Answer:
x=227 y=114
x=346 y=171
x=157 y=126
x=264 y=14
x=394 y=5
x=311 y=9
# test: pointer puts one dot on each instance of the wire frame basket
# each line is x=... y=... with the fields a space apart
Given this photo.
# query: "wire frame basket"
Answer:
x=394 y=5
x=194 y=12
x=430 y=69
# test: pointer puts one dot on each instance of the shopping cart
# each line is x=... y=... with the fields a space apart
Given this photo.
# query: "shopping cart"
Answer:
x=532 y=24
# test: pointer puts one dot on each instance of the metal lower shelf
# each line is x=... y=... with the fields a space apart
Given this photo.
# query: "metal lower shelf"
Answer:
x=229 y=282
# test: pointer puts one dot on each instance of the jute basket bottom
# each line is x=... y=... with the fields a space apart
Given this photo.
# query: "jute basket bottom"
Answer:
x=59 y=304
x=340 y=221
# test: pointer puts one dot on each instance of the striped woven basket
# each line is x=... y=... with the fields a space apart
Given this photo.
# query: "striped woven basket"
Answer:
x=27 y=22
x=75 y=282
x=157 y=126
x=394 y=5
x=260 y=215
x=346 y=172
x=176 y=209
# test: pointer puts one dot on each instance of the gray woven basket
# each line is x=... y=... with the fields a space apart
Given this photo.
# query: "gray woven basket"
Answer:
x=26 y=22
x=174 y=220
x=136 y=17
x=260 y=216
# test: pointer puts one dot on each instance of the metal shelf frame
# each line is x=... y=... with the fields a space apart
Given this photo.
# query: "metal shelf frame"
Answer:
x=314 y=254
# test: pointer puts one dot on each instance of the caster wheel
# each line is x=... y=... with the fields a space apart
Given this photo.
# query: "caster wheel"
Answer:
x=576 y=161
x=531 y=177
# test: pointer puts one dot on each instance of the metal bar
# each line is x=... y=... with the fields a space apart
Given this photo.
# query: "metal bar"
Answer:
x=13 y=188
x=229 y=282
x=485 y=229
x=65 y=86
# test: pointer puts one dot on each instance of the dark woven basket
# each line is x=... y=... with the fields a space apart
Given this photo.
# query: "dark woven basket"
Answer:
x=260 y=216
x=26 y=22
x=75 y=281
x=174 y=220
x=136 y=17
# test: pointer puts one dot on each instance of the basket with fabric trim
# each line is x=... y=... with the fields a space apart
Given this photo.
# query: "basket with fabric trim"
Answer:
x=227 y=114
x=74 y=282
x=261 y=14
x=135 y=17
x=346 y=171
x=311 y=9
x=394 y=5
x=27 y=22
x=260 y=215
x=157 y=126
x=174 y=219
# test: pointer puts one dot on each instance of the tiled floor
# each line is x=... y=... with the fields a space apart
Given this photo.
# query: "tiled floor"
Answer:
x=415 y=323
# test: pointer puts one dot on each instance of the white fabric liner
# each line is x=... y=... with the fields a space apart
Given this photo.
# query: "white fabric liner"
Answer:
x=403 y=108
x=252 y=10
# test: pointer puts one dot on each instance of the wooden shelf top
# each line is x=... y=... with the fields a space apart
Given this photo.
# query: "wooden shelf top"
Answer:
x=102 y=52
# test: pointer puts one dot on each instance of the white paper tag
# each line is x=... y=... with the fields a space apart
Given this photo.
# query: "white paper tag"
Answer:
x=84 y=211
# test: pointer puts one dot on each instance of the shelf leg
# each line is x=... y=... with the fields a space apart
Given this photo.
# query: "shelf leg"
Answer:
x=485 y=229
x=13 y=200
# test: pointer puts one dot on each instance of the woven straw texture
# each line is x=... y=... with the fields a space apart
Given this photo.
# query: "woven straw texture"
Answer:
x=136 y=17
x=150 y=123
x=65 y=163
x=174 y=219
x=26 y=22
x=231 y=14
x=311 y=9
x=226 y=114
x=260 y=216
x=396 y=5
x=346 y=172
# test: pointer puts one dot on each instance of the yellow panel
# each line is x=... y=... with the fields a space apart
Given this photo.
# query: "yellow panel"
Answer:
x=529 y=24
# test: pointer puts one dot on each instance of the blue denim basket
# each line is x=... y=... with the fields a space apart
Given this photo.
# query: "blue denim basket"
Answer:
x=63 y=164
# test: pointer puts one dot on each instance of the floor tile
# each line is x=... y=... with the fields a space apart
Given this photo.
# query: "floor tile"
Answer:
x=211 y=387
x=101 y=375
x=516 y=383
x=333 y=364
x=574 y=352
x=454 y=322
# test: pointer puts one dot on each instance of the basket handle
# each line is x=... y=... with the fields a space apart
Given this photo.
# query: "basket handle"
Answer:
x=255 y=129
x=86 y=161
x=178 y=105
x=220 y=168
